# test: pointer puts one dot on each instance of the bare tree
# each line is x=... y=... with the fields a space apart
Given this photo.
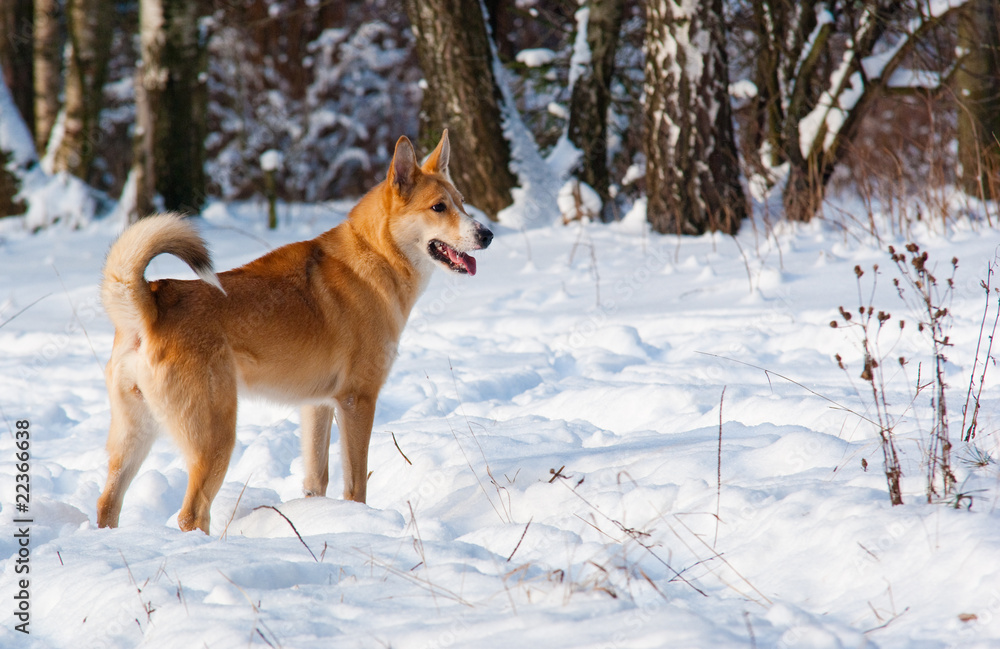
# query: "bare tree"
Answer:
x=588 y=111
x=978 y=82
x=692 y=171
x=819 y=66
x=170 y=108
x=462 y=95
x=89 y=25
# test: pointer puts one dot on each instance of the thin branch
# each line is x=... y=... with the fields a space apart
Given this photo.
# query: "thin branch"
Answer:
x=768 y=373
x=292 y=525
x=520 y=540
x=718 y=476
x=8 y=320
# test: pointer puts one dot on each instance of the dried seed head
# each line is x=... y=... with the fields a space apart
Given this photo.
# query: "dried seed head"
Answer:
x=833 y=323
x=870 y=364
x=858 y=271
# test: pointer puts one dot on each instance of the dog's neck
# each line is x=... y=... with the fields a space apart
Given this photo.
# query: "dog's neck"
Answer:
x=406 y=265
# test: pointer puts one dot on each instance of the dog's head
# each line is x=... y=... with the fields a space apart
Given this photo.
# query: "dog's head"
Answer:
x=429 y=222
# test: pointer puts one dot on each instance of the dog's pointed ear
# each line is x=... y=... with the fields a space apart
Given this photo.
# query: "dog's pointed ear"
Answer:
x=403 y=170
x=437 y=161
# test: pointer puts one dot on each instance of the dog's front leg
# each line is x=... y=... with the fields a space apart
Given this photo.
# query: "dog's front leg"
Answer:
x=356 y=414
x=316 y=422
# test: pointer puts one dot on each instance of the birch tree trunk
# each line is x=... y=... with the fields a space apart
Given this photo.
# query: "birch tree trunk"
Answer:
x=89 y=24
x=692 y=172
x=817 y=78
x=462 y=95
x=170 y=108
x=588 y=112
x=978 y=82
x=47 y=68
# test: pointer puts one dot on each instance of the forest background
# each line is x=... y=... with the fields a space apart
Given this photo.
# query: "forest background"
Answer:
x=703 y=109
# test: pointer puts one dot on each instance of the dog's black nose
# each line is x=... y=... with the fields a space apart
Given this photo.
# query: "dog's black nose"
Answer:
x=484 y=235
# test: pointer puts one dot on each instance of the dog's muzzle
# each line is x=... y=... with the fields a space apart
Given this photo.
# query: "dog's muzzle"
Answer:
x=484 y=236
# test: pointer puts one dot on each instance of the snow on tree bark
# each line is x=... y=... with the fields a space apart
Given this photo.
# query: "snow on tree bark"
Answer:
x=588 y=113
x=819 y=66
x=462 y=95
x=692 y=172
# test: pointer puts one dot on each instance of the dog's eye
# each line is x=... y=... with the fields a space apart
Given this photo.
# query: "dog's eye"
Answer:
x=439 y=207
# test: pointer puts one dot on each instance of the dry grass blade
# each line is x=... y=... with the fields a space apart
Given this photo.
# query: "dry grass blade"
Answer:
x=520 y=540
x=225 y=530
x=432 y=588
x=969 y=432
x=399 y=449
x=837 y=405
x=292 y=525
x=726 y=562
x=8 y=320
x=718 y=471
x=635 y=536
x=256 y=615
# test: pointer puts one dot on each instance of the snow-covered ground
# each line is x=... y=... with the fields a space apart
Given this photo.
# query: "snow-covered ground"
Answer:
x=560 y=419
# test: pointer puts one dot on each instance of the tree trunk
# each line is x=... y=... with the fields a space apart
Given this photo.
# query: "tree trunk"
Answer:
x=15 y=135
x=462 y=95
x=89 y=23
x=170 y=108
x=588 y=112
x=16 y=25
x=692 y=172
x=47 y=68
x=978 y=81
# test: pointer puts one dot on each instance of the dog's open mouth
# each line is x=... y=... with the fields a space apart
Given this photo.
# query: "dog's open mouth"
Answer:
x=453 y=259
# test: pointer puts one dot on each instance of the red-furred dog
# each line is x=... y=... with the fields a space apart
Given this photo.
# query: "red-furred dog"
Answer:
x=314 y=323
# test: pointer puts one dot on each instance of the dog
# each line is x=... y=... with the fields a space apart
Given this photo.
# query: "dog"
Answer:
x=314 y=323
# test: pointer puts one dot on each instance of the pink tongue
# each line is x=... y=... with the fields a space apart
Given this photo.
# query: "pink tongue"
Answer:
x=466 y=261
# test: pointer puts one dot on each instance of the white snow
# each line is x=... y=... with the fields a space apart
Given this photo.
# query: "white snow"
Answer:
x=535 y=57
x=578 y=200
x=561 y=412
x=743 y=89
x=271 y=160
x=581 y=58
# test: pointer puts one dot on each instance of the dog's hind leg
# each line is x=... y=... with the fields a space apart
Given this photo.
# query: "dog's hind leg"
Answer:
x=316 y=422
x=132 y=433
x=199 y=410
x=355 y=417
x=207 y=434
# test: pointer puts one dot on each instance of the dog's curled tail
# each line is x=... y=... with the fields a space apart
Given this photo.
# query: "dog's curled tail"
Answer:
x=124 y=290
